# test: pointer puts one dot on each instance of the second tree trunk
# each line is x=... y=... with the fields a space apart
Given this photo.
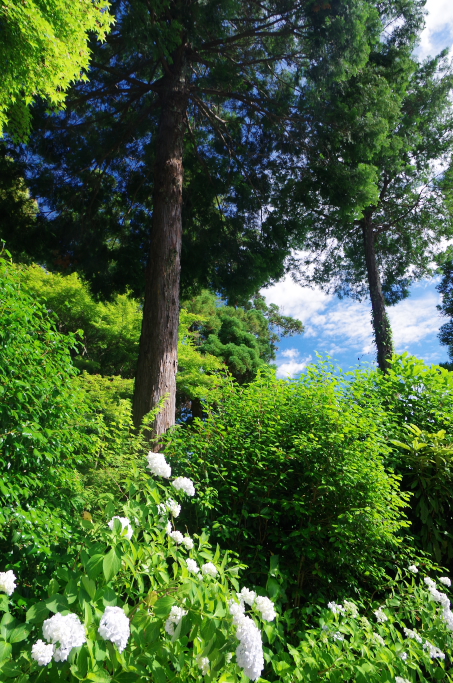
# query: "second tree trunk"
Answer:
x=380 y=320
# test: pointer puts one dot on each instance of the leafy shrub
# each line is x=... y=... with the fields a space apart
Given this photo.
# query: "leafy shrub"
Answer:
x=414 y=393
x=41 y=445
x=426 y=463
x=403 y=638
x=173 y=594
x=293 y=472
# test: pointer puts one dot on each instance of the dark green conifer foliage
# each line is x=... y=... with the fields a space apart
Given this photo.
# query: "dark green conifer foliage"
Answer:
x=245 y=338
x=195 y=86
x=369 y=187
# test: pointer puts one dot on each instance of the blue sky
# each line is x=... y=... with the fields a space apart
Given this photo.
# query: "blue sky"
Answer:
x=342 y=329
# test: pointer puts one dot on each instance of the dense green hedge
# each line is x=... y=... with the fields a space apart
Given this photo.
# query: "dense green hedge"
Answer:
x=293 y=474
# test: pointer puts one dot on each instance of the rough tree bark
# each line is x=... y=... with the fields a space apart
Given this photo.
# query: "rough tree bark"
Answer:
x=380 y=320
x=158 y=351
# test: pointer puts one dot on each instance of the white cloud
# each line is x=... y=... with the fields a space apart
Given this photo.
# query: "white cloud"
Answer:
x=300 y=302
x=413 y=320
x=294 y=366
x=335 y=327
x=290 y=353
x=438 y=32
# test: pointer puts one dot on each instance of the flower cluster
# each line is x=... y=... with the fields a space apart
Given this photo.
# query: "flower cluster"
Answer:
x=126 y=525
x=413 y=569
x=42 y=652
x=249 y=652
x=175 y=616
x=400 y=679
x=68 y=631
x=7 y=582
x=176 y=536
x=187 y=542
x=441 y=598
x=115 y=627
x=247 y=596
x=433 y=651
x=173 y=507
x=351 y=609
x=336 y=609
x=158 y=465
x=192 y=566
x=445 y=580
x=380 y=615
x=203 y=663
x=184 y=484
x=209 y=569
x=266 y=608
x=261 y=603
x=413 y=635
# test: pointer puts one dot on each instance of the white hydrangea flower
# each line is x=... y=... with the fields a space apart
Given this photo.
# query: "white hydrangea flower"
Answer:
x=266 y=607
x=192 y=566
x=175 y=616
x=184 y=484
x=114 y=626
x=7 y=582
x=125 y=523
x=379 y=639
x=380 y=615
x=158 y=465
x=203 y=663
x=338 y=636
x=209 y=569
x=177 y=536
x=351 y=609
x=247 y=596
x=336 y=609
x=42 y=653
x=68 y=631
x=440 y=597
x=413 y=635
x=403 y=656
x=173 y=507
x=433 y=651
x=249 y=653
x=187 y=542
x=413 y=569
x=429 y=582
x=448 y=618
x=161 y=509
x=400 y=679
x=445 y=580
x=168 y=527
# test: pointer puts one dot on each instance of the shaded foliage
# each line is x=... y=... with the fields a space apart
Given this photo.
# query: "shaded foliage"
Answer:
x=293 y=473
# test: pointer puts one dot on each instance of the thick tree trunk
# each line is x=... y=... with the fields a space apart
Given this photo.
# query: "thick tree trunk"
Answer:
x=158 y=352
x=381 y=323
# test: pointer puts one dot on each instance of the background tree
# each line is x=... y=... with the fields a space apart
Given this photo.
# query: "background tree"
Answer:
x=244 y=337
x=213 y=338
x=44 y=48
x=204 y=79
x=370 y=187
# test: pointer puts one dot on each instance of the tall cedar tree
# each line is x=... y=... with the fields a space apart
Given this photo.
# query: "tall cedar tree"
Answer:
x=370 y=186
x=198 y=80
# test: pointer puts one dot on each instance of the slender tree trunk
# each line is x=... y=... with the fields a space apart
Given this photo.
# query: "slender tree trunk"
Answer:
x=381 y=323
x=158 y=352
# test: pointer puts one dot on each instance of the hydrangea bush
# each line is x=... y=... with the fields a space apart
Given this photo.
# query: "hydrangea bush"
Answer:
x=405 y=638
x=140 y=601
